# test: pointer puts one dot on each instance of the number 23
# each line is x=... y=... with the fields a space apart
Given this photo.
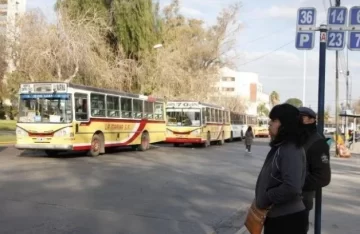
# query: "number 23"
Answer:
x=336 y=39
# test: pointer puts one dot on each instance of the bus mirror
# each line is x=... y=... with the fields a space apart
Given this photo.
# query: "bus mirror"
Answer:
x=77 y=128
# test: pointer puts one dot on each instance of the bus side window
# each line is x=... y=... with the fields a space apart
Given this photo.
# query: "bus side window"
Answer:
x=81 y=104
x=126 y=107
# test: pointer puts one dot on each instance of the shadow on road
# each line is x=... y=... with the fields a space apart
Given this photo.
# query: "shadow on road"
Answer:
x=158 y=191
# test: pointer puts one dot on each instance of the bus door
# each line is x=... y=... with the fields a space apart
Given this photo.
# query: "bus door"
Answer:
x=81 y=109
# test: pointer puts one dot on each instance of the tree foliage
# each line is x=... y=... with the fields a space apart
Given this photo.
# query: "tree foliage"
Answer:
x=132 y=23
x=274 y=98
x=107 y=43
x=295 y=102
x=71 y=51
x=262 y=110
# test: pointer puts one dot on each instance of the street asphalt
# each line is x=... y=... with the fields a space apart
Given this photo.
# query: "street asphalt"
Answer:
x=165 y=190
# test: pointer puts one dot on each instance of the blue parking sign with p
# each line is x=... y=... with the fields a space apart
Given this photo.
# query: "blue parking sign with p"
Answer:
x=305 y=40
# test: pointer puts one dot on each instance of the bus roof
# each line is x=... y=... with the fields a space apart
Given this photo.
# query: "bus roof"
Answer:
x=100 y=90
x=200 y=103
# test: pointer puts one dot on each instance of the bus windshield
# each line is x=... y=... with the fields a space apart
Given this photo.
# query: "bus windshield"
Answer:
x=45 y=108
x=183 y=117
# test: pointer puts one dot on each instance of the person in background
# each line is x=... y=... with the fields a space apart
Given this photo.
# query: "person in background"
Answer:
x=317 y=157
x=249 y=137
x=279 y=184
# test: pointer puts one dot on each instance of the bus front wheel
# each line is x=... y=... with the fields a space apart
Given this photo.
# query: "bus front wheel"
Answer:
x=95 y=146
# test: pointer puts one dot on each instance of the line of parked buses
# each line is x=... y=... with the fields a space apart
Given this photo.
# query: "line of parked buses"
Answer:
x=58 y=117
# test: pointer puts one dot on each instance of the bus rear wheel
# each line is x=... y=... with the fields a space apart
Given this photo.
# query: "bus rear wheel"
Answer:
x=145 y=141
x=95 y=146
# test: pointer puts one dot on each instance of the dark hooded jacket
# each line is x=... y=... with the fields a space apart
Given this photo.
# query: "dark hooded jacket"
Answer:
x=283 y=174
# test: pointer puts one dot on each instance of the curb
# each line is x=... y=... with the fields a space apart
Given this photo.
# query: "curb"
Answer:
x=7 y=144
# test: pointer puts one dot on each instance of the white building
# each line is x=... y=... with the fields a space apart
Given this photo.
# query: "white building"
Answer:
x=245 y=85
x=9 y=11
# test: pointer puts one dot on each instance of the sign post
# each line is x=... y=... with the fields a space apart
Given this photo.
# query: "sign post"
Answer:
x=332 y=37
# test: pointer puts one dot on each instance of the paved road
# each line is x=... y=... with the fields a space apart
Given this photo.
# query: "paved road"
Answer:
x=165 y=190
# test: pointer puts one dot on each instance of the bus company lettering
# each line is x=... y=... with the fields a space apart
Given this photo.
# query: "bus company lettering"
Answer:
x=117 y=126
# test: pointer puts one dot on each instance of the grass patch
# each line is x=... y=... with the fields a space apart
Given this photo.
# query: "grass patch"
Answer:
x=7 y=125
x=7 y=139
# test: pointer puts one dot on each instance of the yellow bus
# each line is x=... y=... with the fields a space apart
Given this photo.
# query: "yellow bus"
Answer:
x=262 y=128
x=196 y=123
x=59 y=117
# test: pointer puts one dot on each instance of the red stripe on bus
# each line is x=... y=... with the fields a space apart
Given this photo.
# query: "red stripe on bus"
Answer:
x=120 y=121
x=138 y=131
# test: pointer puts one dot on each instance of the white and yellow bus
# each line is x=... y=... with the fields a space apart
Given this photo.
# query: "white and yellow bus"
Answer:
x=196 y=123
x=238 y=125
x=59 y=117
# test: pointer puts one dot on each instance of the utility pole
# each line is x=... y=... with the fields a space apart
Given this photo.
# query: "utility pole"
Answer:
x=304 y=80
x=337 y=3
x=347 y=94
x=321 y=113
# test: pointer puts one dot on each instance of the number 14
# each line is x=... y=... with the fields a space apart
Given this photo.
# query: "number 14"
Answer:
x=338 y=17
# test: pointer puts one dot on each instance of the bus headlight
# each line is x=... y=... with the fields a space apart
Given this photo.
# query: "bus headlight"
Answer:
x=21 y=132
x=196 y=132
x=65 y=132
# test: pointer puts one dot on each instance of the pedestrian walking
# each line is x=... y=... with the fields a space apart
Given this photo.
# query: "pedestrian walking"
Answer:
x=249 y=137
x=317 y=158
x=279 y=184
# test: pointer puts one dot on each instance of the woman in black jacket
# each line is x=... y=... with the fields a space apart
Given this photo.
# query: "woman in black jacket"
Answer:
x=282 y=177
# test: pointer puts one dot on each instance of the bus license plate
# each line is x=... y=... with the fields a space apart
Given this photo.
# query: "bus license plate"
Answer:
x=39 y=139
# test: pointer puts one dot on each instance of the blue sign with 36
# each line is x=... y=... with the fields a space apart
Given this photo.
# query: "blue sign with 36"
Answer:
x=337 y=16
x=306 y=16
x=354 y=40
x=335 y=40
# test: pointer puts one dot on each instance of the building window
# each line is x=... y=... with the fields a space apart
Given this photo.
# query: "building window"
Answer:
x=228 y=79
x=228 y=89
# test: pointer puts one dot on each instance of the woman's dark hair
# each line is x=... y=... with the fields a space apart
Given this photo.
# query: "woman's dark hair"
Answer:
x=249 y=129
x=292 y=128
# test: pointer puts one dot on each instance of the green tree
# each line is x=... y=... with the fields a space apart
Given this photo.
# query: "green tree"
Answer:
x=134 y=24
x=262 y=110
x=274 y=98
x=295 y=102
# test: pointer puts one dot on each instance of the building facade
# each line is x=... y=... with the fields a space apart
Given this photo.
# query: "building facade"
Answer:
x=244 y=85
x=9 y=11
